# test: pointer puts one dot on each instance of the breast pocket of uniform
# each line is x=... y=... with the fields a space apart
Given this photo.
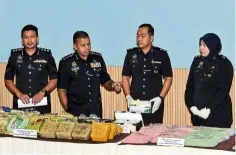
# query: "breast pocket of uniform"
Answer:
x=211 y=73
x=157 y=69
x=134 y=64
x=20 y=67
x=95 y=69
x=95 y=72
x=40 y=67
x=75 y=70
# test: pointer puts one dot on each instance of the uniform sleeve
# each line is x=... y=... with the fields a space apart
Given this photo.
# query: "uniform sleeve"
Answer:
x=188 y=95
x=63 y=76
x=52 y=68
x=104 y=76
x=126 y=71
x=225 y=82
x=167 y=69
x=10 y=69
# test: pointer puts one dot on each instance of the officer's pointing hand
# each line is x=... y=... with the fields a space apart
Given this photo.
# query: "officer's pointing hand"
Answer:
x=38 y=97
x=24 y=98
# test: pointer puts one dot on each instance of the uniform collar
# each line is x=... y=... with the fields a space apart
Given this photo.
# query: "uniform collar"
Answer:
x=79 y=58
x=148 y=53
x=151 y=49
x=25 y=53
x=210 y=57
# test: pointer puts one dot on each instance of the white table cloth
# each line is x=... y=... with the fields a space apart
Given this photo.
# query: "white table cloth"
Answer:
x=9 y=145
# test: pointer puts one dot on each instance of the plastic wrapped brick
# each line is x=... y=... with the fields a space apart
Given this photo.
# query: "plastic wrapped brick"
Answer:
x=35 y=123
x=3 y=124
x=100 y=131
x=49 y=129
x=65 y=129
x=17 y=122
x=82 y=131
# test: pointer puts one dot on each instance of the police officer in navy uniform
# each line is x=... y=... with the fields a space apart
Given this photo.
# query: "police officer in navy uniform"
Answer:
x=79 y=77
x=32 y=67
x=147 y=65
x=208 y=86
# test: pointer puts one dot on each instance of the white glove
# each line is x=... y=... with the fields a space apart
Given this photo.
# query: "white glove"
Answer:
x=157 y=102
x=204 y=113
x=195 y=110
x=129 y=100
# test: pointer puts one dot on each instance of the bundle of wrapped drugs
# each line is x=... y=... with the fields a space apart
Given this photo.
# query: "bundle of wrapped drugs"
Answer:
x=66 y=115
x=100 y=131
x=206 y=137
x=13 y=111
x=35 y=123
x=90 y=119
x=49 y=129
x=17 y=122
x=32 y=113
x=115 y=130
x=58 y=118
x=82 y=131
x=4 y=114
x=65 y=129
x=3 y=124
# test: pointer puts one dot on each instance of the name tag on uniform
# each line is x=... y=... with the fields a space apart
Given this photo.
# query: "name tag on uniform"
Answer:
x=75 y=69
x=156 y=62
x=43 y=102
x=40 y=61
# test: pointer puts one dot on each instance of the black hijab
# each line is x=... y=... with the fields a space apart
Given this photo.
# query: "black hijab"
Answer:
x=213 y=43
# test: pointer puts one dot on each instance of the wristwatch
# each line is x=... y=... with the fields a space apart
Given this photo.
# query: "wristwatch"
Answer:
x=44 y=90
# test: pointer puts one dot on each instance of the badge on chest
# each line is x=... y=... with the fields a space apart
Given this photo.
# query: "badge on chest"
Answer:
x=74 y=67
x=19 y=59
x=156 y=62
x=95 y=65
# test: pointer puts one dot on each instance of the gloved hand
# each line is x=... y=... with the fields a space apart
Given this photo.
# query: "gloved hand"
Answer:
x=129 y=100
x=195 y=110
x=157 y=102
x=204 y=113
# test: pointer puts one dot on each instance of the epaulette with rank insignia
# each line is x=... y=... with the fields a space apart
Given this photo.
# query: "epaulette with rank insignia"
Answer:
x=160 y=49
x=67 y=56
x=16 y=50
x=197 y=56
x=44 y=50
x=223 y=57
x=95 y=53
x=132 y=49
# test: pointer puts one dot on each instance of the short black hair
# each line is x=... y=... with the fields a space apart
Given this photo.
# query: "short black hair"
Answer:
x=79 y=34
x=150 y=28
x=28 y=28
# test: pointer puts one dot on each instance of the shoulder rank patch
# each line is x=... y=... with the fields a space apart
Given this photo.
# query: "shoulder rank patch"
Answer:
x=67 y=56
x=95 y=53
x=223 y=57
x=197 y=56
x=160 y=49
x=131 y=49
x=16 y=50
x=44 y=50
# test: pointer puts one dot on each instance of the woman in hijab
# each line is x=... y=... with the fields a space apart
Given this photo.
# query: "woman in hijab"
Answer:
x=208 y=86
